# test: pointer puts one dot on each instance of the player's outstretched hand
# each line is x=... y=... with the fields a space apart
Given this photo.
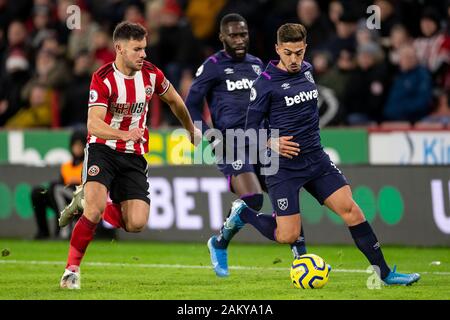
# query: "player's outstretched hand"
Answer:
x=284 y=146
x=134 y=135
x=196 y=136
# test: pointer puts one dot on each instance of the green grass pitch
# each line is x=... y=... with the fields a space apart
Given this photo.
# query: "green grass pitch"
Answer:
x=181 y=271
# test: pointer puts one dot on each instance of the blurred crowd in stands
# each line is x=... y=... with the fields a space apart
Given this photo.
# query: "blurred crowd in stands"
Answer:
x=398 y=73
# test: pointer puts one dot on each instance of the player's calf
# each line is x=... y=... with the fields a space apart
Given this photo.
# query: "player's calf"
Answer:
x=351 y=214
x=288 y=228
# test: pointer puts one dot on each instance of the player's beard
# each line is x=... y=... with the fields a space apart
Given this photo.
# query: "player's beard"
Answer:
x=137 y=67
x=294 y=68
x=232 y=51
x=139 y=64
x=133 y=66
x=289 y=66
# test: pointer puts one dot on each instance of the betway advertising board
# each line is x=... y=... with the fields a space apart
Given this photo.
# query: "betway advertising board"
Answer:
x=406 y=205
x=410 y=147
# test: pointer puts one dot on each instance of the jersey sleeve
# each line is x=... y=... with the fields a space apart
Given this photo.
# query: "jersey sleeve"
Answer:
x=98 y=92
x=259 y=105
x=205 y=78
x=162 y=84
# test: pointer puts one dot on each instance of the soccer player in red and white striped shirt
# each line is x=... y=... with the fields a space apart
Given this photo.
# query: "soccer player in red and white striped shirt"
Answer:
x=117 y=140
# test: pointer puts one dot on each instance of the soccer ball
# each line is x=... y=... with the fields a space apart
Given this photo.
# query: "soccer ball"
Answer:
x=309 y=271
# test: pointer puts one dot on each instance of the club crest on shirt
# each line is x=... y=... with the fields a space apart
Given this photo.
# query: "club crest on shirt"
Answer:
x=252 y=94
x=148 y=91
x=283 y=203
x=257 y=69
x=309 y=76
x=93 y=170
x=93 y=96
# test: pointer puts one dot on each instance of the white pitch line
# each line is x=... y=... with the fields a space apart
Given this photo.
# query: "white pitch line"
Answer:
x=182 y=266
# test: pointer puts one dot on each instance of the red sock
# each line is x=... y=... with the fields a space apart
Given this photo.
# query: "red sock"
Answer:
x=113 y=215
x=82 y=234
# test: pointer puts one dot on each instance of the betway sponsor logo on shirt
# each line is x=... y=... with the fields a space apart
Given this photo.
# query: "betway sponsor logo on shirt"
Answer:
x=239 y=84
x=301 y=97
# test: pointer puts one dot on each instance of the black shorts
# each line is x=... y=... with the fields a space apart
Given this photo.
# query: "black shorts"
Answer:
x=229 y=170
x=123 y=174
x=236 y=166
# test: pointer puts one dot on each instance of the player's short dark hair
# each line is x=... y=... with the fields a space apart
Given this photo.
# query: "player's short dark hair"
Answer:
x=129 y=31
x=291 y=32
x=231 y=17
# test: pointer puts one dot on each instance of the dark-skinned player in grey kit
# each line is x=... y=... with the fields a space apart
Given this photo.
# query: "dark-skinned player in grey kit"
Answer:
x=285 y=94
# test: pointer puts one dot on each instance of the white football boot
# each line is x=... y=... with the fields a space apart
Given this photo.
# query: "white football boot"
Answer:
x=75 y=207
x=71 y=279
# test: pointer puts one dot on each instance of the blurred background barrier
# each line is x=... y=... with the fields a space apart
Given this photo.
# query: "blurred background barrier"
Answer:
x=50 y=147
x=379 y=146
x=410 y=147
x=406 y=205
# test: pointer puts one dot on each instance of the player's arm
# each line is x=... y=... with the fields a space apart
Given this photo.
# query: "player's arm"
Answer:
x=179 y=109
x=170 y=96
x=98 y=127
x=257 y=111
x=258 y=107
x=205 y=78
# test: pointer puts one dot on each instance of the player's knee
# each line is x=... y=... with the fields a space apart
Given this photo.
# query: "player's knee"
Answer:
x=288 y=237
x=351 y=213
x=135 y=226
x=254 y=201
x=98 y=208
x=93 y=210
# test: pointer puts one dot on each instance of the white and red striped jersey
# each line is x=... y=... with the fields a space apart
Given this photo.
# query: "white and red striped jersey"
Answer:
x=126 y=99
